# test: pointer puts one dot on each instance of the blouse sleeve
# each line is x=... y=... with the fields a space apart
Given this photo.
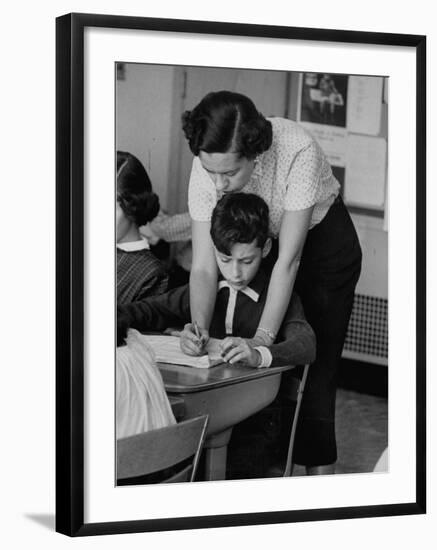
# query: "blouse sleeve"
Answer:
x=202 y=196
x=171 y=228
x=304 y=181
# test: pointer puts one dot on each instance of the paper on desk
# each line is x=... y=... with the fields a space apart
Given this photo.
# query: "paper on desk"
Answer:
x=167 y=350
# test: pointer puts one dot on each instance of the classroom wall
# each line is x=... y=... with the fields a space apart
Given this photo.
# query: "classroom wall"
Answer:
x=370 y=228
x=143 y=128
x=374 y=244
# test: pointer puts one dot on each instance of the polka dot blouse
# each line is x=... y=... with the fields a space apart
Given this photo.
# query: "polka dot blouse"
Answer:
x=292 y=175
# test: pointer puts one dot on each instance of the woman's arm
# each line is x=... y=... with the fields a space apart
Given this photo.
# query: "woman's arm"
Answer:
x=203 y=277
x=292 y=235
x=297 y=342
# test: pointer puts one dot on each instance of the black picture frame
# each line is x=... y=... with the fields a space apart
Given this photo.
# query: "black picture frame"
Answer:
x=70 y=273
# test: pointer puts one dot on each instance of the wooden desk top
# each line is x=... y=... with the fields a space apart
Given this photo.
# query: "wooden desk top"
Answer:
x=182 y=379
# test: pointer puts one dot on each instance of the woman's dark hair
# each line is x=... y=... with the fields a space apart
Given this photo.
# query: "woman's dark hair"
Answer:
x=227 y=122
x=239 y=218
x=134 y=190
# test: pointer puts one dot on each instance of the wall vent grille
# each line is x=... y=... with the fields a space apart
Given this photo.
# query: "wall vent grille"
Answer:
x=368 y=328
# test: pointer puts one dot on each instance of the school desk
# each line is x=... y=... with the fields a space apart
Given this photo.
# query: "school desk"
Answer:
x=228 y=394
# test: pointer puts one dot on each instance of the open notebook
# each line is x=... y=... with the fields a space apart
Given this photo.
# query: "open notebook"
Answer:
x=168 y=350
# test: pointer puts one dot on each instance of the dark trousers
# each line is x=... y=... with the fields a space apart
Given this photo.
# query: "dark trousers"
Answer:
x=326 y=280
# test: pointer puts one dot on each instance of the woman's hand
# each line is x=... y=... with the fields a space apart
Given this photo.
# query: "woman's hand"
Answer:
x=239 y=349
x=190 y=343
x=261 y=338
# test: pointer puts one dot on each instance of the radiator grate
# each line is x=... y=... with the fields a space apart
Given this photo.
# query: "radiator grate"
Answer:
x=368 y=327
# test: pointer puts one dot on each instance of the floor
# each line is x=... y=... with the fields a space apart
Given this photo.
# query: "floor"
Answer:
x=362 y=432
x=361 y=428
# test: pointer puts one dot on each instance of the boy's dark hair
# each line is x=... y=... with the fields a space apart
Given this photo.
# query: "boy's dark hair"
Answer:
x=134 y=190
x=227 y=122
x=239 y=218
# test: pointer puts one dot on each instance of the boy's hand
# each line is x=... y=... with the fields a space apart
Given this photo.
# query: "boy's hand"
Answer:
x=240 y=350
x=190 y=343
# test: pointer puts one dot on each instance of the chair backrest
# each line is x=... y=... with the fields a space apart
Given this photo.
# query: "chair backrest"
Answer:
x=161 y=449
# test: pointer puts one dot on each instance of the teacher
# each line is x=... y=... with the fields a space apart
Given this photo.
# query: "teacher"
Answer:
x=237 y=149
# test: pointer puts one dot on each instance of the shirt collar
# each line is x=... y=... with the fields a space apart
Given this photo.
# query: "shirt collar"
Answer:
x=257 y=285
x=134 y=246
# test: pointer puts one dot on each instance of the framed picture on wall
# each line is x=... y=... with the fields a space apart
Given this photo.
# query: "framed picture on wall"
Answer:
x=123 y=85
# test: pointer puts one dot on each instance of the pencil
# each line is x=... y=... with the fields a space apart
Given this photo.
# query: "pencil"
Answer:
x=196 y=330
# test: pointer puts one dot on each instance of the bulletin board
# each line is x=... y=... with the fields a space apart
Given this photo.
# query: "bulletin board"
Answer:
x=347 y=114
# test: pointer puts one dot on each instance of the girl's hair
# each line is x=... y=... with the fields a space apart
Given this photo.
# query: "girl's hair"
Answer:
x=239 y=218
x=227 y=122
x=134 y=190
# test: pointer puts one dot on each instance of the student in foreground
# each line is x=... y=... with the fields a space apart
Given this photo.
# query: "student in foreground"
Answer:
x=239 y=231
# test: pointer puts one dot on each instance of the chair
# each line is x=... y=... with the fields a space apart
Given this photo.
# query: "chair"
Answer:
x=262 y=446
x=152 y=454
x=294 y=393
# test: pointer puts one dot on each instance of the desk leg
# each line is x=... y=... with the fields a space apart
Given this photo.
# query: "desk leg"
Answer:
x=216 y=449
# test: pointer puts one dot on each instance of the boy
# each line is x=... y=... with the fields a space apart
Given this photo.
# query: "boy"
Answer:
x=239 y=231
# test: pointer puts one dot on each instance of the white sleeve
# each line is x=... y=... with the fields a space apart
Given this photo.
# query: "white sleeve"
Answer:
x=202 y=195
x=266 y=356
x=171 y=228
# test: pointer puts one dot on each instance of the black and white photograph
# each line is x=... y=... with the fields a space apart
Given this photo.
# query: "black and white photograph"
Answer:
x=235 y=317
x=324 y=98
x=252 y=274
x=218 y=287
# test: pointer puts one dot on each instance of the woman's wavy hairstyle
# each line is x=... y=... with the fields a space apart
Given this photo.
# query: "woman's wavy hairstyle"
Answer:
x=239 y=218
x=227 y=122
x=134 y=190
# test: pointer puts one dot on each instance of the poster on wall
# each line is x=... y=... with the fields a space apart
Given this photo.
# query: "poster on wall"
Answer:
x=333 y=141
x=324 y=99
x=364 y=105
